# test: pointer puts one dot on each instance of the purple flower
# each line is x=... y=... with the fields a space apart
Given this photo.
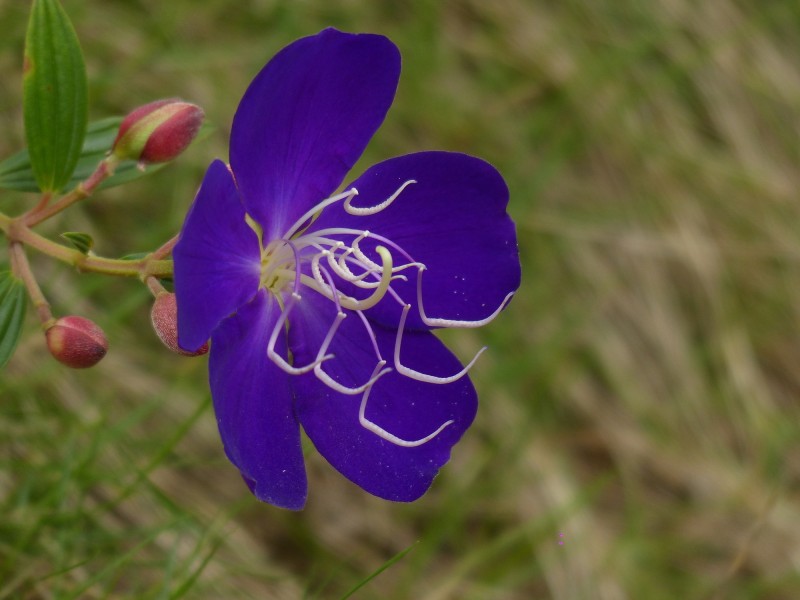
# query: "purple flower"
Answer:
x=315 y=301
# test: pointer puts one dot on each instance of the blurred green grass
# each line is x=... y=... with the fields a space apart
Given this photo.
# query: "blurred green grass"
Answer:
x=641 y=392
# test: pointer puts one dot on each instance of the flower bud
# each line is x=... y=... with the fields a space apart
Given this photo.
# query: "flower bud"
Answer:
x=76 y=342
x=158 y=132
x=164 y=316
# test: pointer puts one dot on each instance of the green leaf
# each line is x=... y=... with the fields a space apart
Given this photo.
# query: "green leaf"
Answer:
x=55 y=104
x=82 y=241
x=12 y=313
x=16 y=173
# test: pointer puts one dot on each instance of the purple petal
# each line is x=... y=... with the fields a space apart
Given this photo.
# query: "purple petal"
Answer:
x=453 y=220
x=405 y=408
x=306 y=119
x=217 y=259
x=253 y=405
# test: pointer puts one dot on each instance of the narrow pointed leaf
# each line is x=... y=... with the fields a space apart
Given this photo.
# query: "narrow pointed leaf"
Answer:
x=397 y=557
x=81 y=241
x=12 y=314
x=55 y=105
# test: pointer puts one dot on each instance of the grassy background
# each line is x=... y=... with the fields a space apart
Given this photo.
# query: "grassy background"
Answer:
x=640 y=399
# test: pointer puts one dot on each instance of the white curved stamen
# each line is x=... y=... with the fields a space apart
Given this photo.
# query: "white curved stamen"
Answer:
x=322 y=375
x=358 y=233
x=372 y=210
x=416 y=265
x=277 y=358
x=315 y=271
x=348 y=302
x=360 y=255
x=385 y=435
x=349 y=194
x=318 y=242
x=371 y=335
x=358 y=280
x=386 y=278
x=339 y=266
x=430 y=322
x=416 y=374
x=342 y=389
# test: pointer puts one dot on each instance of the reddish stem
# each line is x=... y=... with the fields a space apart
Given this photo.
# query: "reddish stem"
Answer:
x=22 y=268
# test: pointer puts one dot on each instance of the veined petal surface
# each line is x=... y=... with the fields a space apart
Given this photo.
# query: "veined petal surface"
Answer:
x=305 y=120
x=217 y=259
x=253 y=405
x=453 y=219
x=404 y=407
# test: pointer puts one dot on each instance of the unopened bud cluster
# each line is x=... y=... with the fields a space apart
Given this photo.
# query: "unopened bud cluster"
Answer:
x=76 y=342
x=158 y=131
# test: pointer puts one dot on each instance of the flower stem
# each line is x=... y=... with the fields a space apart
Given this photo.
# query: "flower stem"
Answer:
x=165 y=248
x=43 y=201
x=83 y=190
x=149 y=265
x=22 y=268
x=154 y=285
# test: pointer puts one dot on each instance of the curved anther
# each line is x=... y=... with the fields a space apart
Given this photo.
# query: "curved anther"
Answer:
x=278 y=359
x=371 y=210
x=360 y=255
x=347 y=196
x=340 y=267
x=386 y=279
x=322 y=236
x=315 y=271
x=416 y=265
x=348 y=301
x=416 y=374
x=381 y=432
x=452 y=322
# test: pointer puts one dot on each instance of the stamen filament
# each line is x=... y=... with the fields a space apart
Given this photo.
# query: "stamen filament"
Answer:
x=279 y=360
x=371 y=335
x=358 y=233
x=317 y=209
x=430 y=322
x=385 y=435
x=424 y=376
x=349 y=302
x=372 y=210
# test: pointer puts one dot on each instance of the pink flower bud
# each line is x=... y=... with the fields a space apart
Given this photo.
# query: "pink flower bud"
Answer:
x=76 y=342
x=164 y=316
x=159 y=131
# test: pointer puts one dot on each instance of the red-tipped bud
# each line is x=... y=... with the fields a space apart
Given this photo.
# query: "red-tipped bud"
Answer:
x=158 y=132
x=164 y=316
x=76 y=342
